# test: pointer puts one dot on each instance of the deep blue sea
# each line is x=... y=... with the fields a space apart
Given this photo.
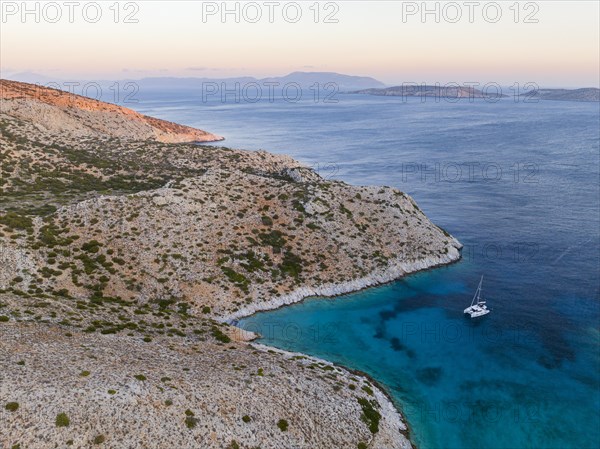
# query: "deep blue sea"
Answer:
x=518 y=185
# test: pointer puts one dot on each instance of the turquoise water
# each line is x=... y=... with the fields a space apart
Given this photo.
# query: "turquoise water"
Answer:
x=525 y=376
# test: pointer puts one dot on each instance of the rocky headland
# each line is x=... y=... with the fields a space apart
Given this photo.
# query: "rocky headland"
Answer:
x=63 y=112
x=122 y=256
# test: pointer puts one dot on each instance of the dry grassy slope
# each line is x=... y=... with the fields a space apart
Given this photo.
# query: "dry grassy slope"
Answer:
x=41 y=170
x=60 y=111
x=93 y=382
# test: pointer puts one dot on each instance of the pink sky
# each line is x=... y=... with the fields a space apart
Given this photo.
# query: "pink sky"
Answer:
x=390 y=41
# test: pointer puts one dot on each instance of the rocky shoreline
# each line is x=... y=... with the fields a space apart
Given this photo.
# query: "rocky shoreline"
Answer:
x=388 y=410
x=396 y=270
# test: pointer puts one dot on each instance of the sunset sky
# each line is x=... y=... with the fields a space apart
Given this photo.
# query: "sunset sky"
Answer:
x=371 y=38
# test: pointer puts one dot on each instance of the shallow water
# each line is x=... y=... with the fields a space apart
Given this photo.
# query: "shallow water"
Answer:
x=526 y=375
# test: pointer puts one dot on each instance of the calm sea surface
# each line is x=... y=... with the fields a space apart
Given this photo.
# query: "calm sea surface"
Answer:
x=518 y=185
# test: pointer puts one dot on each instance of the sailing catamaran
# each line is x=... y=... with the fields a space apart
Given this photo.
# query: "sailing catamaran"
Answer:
x=477 y=307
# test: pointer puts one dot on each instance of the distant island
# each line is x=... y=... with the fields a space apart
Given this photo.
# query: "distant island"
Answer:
x=463 y=92
x=434 y=91
x=584 y=94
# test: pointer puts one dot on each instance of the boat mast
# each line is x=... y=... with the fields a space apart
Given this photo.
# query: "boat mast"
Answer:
x=477 y=292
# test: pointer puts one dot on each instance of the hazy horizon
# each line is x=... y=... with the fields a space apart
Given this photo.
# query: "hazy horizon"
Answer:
x=553 y=44
x=20 y=76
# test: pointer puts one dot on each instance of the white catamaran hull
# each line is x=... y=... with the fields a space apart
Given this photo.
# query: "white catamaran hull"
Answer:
x=474 y=313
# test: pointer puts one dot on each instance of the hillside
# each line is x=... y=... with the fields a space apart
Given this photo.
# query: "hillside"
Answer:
x=186 y=393
x=122 y=258
x=62 y=112
x=214 y=227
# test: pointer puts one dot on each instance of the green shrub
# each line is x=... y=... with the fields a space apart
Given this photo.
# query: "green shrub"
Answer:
x=12 y=406
x=219 y=335
x=85 y=373
x=246 y=418
x=274 y=239
x=283 y=425
x=291 y=265
x=267 y=221
x=62 y=420
x=370 y=416
x=238 y=279
x=190 y=420
x=13 y=220
x=140 y=377
x=99 y=439
x=4 y=318
x=368 y=390
x=93 y=246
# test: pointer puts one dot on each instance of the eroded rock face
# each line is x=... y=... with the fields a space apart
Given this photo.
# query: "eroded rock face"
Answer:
x=59 y=111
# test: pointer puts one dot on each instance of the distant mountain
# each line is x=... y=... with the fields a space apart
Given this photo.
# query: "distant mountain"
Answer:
x=343 y=82
x=584 y=94
x=304 y=79
x=429 y=91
